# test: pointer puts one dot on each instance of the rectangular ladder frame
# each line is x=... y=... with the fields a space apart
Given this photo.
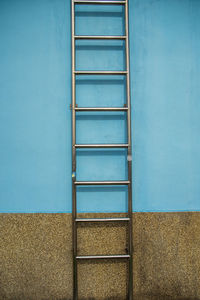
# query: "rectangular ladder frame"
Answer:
x=128 y=182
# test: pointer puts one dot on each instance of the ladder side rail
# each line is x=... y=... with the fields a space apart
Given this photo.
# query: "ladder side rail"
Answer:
x=74 y=206
x=129 y=158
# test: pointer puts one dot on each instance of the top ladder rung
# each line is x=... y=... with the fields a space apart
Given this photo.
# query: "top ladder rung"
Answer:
x=100 y=37
x=99 y=2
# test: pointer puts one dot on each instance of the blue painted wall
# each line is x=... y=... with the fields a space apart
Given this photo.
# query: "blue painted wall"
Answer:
x=34 y=101
x=35 y=93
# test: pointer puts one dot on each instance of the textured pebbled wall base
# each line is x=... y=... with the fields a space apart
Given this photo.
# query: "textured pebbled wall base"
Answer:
x=36 y=257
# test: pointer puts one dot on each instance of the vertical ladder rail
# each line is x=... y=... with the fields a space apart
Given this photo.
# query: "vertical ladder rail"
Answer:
x=129 y=157
x=74 y=206
x=129 y=256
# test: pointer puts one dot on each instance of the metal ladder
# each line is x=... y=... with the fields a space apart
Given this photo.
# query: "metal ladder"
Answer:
x=75 y=146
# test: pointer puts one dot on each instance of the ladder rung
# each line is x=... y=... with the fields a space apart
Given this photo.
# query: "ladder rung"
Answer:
x=99 y=2
x=101 y=108
x=102 y=256
x=99 y=37
x=121 y=182
x=103 y=220
x=101 y=146
x=100 y=72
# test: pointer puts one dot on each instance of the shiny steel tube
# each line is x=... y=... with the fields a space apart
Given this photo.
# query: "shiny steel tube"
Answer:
x=122 y=182
x=103 y=256
x=74 y=231
x=99 y=37
x=101 y=108
x=99 y=2
x=104 y=220
x=101 y=146
x=100 y=72
x=129 y=158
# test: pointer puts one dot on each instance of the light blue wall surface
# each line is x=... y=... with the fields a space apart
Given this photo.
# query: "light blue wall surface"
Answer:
x=35 y=93
x=34 y=97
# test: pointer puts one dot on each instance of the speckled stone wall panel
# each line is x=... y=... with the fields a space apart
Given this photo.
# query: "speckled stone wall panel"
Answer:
x=167 y=254
x=36 y=257
x=101 y=238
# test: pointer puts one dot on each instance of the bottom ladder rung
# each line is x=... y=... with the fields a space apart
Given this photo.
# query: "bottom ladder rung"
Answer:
x=103 y=220
x=103 y=256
